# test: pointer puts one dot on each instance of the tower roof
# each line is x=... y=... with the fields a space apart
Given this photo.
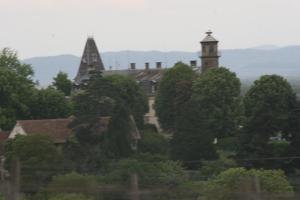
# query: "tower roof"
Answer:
x=90 y=61
x=209 y=38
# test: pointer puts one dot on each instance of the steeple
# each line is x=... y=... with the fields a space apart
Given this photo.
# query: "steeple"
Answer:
x=90 y=61
x=210 y=54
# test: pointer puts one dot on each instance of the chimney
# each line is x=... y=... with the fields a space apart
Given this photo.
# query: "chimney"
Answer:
x=158 y=65
x=147 y=66
x=193 y=63
x=132 y=66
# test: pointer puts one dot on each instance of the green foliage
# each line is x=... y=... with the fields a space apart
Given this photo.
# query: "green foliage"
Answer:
x=63 y=83
x=16 y=87
x=151 y=174
x=269 y=106
x=116 y=97
x=233 y=183
x=215 y=95
x=72 y=196
x=49 y=104
x=33 y=151
x=211 y=112
x=279 y=148
x=211 y=169
x=228 y=144
x=73 y=183
x=173 y=90
x=38 y=158
x=132 y=95
x=118 y=140
x=153 y=142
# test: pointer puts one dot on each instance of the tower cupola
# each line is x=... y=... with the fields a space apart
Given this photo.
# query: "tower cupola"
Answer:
x=210 y=54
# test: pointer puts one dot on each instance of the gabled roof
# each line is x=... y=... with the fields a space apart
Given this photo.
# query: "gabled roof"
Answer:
x=58 y=129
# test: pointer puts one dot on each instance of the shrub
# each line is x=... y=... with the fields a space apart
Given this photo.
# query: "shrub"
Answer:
x=234 y=182
x=153 y=142
x=72 y=196
x=73 y=182
x=162 y=173
x=210 y=169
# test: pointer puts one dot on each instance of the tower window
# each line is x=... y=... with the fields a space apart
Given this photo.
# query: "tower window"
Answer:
x=211 y=49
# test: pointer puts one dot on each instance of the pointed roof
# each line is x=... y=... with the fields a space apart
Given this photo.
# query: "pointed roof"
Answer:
x=209 y=38
x=90 y=61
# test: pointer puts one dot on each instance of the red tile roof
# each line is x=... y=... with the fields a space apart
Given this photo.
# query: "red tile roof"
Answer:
x=58 y=129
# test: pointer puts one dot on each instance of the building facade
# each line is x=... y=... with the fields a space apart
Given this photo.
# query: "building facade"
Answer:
x=148 y=78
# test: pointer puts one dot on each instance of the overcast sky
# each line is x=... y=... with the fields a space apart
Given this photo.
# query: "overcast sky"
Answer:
x=52 y=27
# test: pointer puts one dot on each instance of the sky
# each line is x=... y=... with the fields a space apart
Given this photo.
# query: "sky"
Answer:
x=53 y=27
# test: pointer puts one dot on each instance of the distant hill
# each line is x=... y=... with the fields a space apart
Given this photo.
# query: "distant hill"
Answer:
x=247 y=63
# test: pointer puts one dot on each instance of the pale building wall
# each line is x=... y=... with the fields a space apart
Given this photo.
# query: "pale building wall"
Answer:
x=18 y=130
x=150 y=117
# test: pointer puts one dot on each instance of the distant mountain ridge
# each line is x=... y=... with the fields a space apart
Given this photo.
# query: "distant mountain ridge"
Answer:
x=247 y=63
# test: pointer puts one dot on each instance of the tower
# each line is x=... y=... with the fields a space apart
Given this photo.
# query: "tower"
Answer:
x=90 y=61
x=210 y=55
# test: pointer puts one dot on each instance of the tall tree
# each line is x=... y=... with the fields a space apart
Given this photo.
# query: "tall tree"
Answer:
x=113 y=97
x=132 y=95
x=16 y=87
x=63 y=83
x=269 y=105
x=209 y=113
x=217 y=93
x=168 y=96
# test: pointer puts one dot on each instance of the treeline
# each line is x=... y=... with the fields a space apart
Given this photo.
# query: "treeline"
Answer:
x=207 y=115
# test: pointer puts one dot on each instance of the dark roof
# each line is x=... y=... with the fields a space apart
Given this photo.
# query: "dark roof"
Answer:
x=58 y=129
x=209 y=38
x=138 y=74
x=90 y=60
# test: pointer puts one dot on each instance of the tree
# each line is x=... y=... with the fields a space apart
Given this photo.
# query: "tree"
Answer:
x=49 y=103
x=217 y=95
x=269 y=105
x=239 y=183
x=209 y=113
x=170 y=92
x=38 y=158
x=100 y=97
x=62 y=83
x=16 y=86
x=132 y=95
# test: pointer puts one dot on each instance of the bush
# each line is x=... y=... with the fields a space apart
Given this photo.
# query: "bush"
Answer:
x=235 y=182
x=73 y=182
x=70 y=197
x=162 y=173
x=153 y=142
x=210 y=169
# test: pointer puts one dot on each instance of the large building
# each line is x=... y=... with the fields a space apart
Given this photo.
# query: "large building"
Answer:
x=148 y=78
